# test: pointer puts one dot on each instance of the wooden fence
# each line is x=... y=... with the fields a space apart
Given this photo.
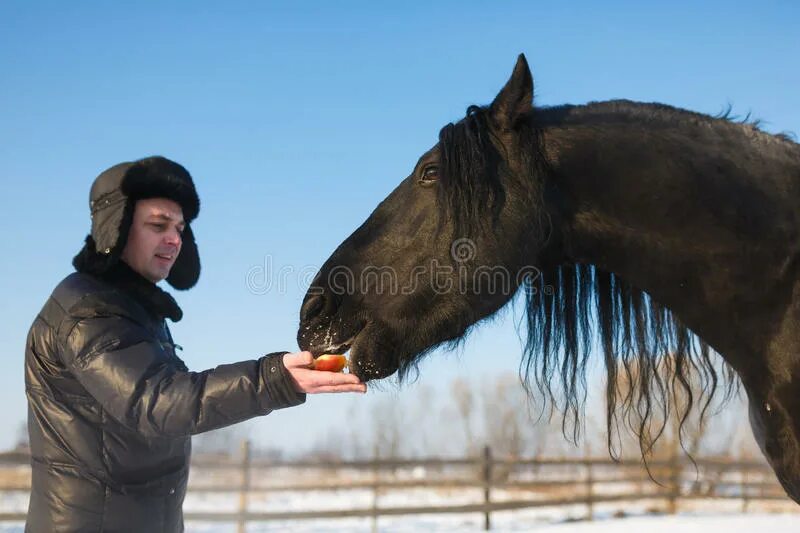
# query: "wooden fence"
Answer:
x=497 y=484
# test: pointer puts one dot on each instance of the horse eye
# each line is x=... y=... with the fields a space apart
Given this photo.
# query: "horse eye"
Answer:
x=430 y=174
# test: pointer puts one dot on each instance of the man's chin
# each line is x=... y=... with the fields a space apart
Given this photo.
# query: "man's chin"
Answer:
x=151 y=271
x=156 y=276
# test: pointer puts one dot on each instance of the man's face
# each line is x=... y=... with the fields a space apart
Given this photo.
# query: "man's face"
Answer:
x=154 y=241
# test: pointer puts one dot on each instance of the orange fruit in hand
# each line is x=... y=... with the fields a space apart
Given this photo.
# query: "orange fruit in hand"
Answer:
x=330 y=362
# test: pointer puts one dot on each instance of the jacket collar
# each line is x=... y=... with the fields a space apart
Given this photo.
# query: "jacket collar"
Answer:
x=149 y=295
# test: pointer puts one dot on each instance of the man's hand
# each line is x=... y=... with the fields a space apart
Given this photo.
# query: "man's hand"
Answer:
x=315 y=381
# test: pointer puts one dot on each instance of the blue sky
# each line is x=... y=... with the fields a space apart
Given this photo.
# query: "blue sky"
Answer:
x=297 y=119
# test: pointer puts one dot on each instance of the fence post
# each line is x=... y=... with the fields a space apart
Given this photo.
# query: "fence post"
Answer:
x=675 y=486
x=487 y=485
x=744 y=489
x=587 y=467
x=245 y=487
x=589 y=485
x=375 y=484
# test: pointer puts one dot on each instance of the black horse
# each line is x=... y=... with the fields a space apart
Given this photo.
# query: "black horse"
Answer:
x=641 y=228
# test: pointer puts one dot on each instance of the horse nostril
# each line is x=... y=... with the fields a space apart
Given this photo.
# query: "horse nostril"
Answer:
x=311 y=307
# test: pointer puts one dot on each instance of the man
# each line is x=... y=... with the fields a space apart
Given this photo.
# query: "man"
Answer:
x=111 y=407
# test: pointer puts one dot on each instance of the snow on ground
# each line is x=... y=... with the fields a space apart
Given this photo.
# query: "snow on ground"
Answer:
x=696 y=516
x=685 y=524
x=750 y=523
x=508 y=522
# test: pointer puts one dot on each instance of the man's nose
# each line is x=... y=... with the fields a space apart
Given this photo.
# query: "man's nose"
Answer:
x=173 y=238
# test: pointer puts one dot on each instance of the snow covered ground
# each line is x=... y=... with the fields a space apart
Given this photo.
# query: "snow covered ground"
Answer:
x=684 y=524
x=695 y=516
x=517 y=521
x=750 y=523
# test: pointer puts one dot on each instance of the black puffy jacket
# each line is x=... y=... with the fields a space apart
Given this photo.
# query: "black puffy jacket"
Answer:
x=111 y=408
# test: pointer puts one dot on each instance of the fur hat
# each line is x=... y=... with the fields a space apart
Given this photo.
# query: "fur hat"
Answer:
x=112 y=201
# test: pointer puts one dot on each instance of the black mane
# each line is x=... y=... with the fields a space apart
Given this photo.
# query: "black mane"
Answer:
x=654 y=114
x=573 y=307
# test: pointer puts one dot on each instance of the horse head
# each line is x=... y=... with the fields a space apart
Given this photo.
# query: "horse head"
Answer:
x=449 y=246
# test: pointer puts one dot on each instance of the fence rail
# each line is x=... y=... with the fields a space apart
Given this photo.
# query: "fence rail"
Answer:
x=586 y=482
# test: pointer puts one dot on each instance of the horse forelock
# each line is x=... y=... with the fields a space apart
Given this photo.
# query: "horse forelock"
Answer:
x=471 y=188
x=477 y=176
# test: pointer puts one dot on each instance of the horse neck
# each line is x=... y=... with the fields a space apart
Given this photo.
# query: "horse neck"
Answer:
x=682 y=216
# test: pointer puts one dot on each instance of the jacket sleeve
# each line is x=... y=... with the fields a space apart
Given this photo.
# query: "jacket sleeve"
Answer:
x=125 y=368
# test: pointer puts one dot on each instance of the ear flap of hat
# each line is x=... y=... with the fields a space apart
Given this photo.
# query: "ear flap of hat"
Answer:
x=103 y=246
x=186 y=270
x=111 y=223
x=90 y=261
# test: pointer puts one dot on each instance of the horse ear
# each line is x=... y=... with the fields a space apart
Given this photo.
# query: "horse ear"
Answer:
x=516 y=98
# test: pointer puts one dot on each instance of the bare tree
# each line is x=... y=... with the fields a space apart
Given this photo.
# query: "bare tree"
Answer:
x=23 y=442
x=387 y=421
x=224 y=441
x=424 y=422
x=464 y=400
x=507 y=419
x=355 y=448
x=328 y=447
x=681 y=418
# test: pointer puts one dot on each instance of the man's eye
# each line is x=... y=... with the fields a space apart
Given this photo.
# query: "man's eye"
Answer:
x=159 y=227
